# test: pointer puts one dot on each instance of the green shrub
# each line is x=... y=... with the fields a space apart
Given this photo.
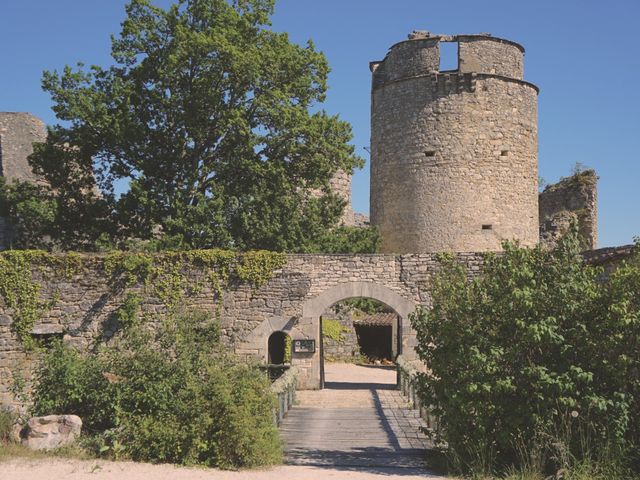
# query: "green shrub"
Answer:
x=7 y=421
x=532 y=364
x=167 y=395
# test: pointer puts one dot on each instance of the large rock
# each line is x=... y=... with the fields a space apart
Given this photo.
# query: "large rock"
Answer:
x=52 y=431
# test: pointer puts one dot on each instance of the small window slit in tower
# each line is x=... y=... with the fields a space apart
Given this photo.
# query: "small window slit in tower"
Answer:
x=487 y=227
x=504 y=153
x=430 y=153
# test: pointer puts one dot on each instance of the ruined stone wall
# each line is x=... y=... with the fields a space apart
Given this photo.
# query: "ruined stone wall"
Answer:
x=416 y=56
x=84 y=305
x=341 y=185
x=482 y=54
x=574 y=198
x=453 y=155
x=346 y=348
x=18 y=132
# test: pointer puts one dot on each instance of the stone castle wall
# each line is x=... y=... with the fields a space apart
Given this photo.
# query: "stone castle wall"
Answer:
x=482 y=54
x=574 y=198
x=18 y=132
x=454 y=154
x=84 y=305
x=341 y=185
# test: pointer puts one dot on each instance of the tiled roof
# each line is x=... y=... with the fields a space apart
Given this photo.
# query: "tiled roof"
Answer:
x=376 y=320
x=603 y=255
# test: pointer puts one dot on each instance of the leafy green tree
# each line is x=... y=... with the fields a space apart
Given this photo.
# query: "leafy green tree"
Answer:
x=211 y=119
x=31 y=212
x=534 y=362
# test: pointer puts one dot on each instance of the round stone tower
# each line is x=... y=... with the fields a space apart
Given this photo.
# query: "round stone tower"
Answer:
x=454 y=154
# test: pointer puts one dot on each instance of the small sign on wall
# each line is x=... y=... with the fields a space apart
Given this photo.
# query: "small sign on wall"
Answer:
x=304 y=346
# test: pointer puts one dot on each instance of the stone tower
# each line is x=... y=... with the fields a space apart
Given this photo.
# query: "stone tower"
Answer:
x=18 y=132
x=454 y=154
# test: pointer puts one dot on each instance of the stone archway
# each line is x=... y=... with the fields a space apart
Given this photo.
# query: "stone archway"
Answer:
x=314 y=307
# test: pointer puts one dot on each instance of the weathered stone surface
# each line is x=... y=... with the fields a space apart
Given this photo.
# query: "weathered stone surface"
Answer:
x=48 y=329
x=18 y=132
x=52 y=431
x=572 y=198
x=292 y=302
x=340 y=184
x=454 y=164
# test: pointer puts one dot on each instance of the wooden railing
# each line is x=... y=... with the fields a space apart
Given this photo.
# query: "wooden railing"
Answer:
x=408 y=385
x=284 y=388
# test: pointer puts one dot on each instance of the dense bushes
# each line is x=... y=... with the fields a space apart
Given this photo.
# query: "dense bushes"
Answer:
x=535 y=363
x=171 y=395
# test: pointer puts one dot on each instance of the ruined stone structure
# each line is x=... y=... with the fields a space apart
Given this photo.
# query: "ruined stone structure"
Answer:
x=454 y=168
x=341 y=185
x=18 y=132
x=572 y=199
x=82 y=306
x=454 y=163
x=292 y=301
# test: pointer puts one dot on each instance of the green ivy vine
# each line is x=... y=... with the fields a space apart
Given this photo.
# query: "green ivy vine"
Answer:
x=168 y=273
x=170 y=276
x=334 y=330
x=21 y=293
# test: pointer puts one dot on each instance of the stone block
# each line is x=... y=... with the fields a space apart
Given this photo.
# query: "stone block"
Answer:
x=51 y=431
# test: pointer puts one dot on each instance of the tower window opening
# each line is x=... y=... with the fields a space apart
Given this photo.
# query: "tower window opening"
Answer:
x=487 y=227
x=430 y=153
x=448 y=56
x=504 y=153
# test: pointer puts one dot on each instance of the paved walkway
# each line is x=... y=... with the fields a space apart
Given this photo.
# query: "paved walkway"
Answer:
x=358 y=420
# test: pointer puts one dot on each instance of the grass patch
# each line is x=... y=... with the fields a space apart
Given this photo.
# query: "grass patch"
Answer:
x=12 y=450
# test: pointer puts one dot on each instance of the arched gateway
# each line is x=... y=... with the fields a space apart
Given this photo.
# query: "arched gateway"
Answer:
x=290 y=301
x=316 y=306
x=305 y=331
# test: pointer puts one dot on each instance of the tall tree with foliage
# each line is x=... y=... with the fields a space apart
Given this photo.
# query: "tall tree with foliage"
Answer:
x=211 y=119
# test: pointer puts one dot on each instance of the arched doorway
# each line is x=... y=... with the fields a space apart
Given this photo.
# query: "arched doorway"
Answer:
x=360 y=331
x=315 y=307
x=278 y=354
x=279 y=349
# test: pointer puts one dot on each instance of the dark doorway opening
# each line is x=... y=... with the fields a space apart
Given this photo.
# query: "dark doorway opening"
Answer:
x=375 y=341
x=279 y=348
x=279 y=355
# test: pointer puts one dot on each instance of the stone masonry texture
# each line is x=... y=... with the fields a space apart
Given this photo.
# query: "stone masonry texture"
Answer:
x=454 y=162
x=574 y=198
x=18 y=132
x=84 y=306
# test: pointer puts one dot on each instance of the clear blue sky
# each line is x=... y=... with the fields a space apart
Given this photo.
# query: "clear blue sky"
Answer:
x=583 y=54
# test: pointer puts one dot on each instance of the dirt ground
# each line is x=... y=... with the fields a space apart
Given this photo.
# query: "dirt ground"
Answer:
x=68 y=469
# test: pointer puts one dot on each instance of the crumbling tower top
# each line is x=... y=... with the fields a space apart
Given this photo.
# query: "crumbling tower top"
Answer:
x=453 y=150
